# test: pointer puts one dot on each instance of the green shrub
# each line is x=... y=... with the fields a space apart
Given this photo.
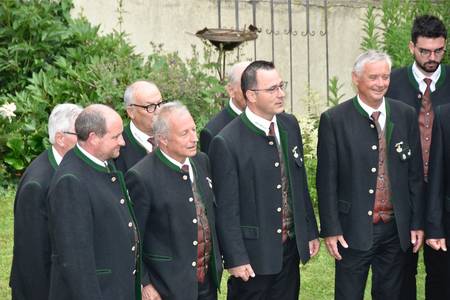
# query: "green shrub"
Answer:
x=68 y=61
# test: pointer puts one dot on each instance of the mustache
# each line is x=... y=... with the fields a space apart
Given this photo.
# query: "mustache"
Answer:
x=431 y=62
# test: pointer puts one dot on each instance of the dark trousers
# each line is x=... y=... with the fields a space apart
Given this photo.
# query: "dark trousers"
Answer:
x=282 y=286
x=206 y=290
x=437 y=278
x=386 y=259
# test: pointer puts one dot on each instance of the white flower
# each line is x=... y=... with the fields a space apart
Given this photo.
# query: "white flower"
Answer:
x=7 y=110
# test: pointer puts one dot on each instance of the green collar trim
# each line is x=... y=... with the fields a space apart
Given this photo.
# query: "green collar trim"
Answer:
x=167 y=162
x=250 y=125
x=359 y=108
x=230 y=111
x=133 y=141
x=439 y=83
x=89 y=162
x=442 y=78
x=51 y=158
x=412 y=79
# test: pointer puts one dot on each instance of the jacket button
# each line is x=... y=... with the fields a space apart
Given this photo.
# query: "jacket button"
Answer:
x=194 y=221
x=113 y=179
x=194 y=263
x=191 y=199
x=195 y=243
x=374 y=147
x=278 y=230
x=373 y=170
x=372 y=126
x=134 y=272
x=271 y=143
x=122 y=201
x=277 y=164
x=185 y=177
x=371 y=191
x=369 y=212
x=133 y=248
x=279 y=186
x=279 y=209
x=130 y=224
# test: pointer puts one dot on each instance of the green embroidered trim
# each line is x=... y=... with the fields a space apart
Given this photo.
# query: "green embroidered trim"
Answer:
x=389 y=124
x=157 y=257
x=133 y=140
x=165 y=161
x=250 y=125
x=88 y=161
x=359 y=108
x=230 y=111
x=412 y=79
x=103 y=271
x=51 y=158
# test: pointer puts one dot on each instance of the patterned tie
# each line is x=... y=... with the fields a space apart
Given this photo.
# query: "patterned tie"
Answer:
x=272 y=129
x=185 y=168
x=375 y=116
x=426 y=100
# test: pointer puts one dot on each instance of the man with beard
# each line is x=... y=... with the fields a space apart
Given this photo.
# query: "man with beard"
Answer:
x=424 y=85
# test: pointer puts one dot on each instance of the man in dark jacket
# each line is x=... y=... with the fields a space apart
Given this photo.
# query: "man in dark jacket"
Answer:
x=142 y=99
x=174 y=204
x=424 y=85
x=265 y=220
x=234 y=108
x=369 y=184
x=95 y=242
x=30 y=272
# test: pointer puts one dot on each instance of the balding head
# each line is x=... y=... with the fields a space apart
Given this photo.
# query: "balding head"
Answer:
x=234 y=84
x=141 y=99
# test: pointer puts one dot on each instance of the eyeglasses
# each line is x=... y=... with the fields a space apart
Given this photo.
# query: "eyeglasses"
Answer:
x=149 y=108
x=427 y=52
x=69 y=132
x=273 y=89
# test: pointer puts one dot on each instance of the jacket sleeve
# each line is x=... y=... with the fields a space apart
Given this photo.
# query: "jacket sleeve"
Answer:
x=73 y=236
x=205 y=140
x=434 y=227
x=225 y=177
x=327 y=178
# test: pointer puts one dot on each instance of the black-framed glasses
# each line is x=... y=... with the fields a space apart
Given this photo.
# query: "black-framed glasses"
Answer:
x=70 y=132
x=150 y=107
x=427 y=52
x=273 y=89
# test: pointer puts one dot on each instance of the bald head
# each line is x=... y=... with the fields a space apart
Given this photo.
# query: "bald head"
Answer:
x=234 y=84
x=141 y=100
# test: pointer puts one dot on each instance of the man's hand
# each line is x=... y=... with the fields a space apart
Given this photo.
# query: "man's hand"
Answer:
x=244 y=272
x=150 y=293
x=332 y=247
x=437 y=244
x=416 y=239
x=314 y=247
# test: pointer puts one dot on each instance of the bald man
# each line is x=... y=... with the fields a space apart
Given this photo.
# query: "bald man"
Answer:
x=142 y=100
x=93 y=231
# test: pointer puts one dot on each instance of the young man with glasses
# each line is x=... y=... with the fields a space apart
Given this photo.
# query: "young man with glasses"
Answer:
x=425 y=85
x=265 y=220
x=142 y=99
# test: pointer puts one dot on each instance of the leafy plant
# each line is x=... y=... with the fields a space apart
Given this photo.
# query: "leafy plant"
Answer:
x=335 y=87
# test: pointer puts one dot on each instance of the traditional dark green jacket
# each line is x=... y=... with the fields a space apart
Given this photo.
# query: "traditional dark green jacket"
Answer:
x=30 y=272
x=131 y=153
x=165 y=211
x=93 y=233
x=214 y=126
x=346 y=180
x=438 y=201
x=245 y=164
x=403 y=87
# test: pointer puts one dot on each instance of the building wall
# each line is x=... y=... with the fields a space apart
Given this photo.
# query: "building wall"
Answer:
x=173 y=23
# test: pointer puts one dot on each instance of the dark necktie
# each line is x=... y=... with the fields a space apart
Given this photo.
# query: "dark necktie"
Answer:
x=272 y=129
x=375 y=116
x=185 y=168
x=151 y=140
x=426 y=100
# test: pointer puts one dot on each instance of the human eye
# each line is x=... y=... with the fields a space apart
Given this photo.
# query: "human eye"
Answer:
x=424 y=51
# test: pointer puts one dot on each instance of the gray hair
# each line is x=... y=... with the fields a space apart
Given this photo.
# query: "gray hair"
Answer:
x=62 y=118
x=370 y=56
x=232 y=74
x=91 y=119
x=128 y=96
x=160 y=122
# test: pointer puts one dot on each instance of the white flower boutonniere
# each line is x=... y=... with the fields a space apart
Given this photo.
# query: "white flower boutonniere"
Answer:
x=209 y=182
x=403 y=150
x=294 y=152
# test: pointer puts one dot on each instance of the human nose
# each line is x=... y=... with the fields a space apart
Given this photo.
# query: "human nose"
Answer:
x=121 y=141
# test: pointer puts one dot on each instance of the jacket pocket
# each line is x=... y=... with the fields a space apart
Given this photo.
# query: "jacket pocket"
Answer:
x=344 y=206
x=250 y=232
x=103 y=271
x=157 y=257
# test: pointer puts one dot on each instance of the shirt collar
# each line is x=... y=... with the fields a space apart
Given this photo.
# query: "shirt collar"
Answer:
x=178 y=164
x=261 y=123
x=141 y=137
x=369 y=110
x=92 y=157
x=419 y=77
x=57 y=156
x=234 y=107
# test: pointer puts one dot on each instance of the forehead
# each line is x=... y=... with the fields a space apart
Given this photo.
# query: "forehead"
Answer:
x=267 y=77
x=377 y=67
x=181 y=121
x=147 y=94
x=113 y=124
x=430 y=43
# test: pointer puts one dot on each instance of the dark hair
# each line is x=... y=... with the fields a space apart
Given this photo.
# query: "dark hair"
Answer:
x=90 y=120
x=248 y=80
x=428 y=26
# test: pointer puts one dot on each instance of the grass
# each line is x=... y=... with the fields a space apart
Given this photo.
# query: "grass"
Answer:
x=317 y=277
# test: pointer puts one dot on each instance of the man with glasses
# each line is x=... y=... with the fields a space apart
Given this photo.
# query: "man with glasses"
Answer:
x=424 y=85
x=234 y=108
x=265 y=220
x=141 y=99
x=30 y=273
